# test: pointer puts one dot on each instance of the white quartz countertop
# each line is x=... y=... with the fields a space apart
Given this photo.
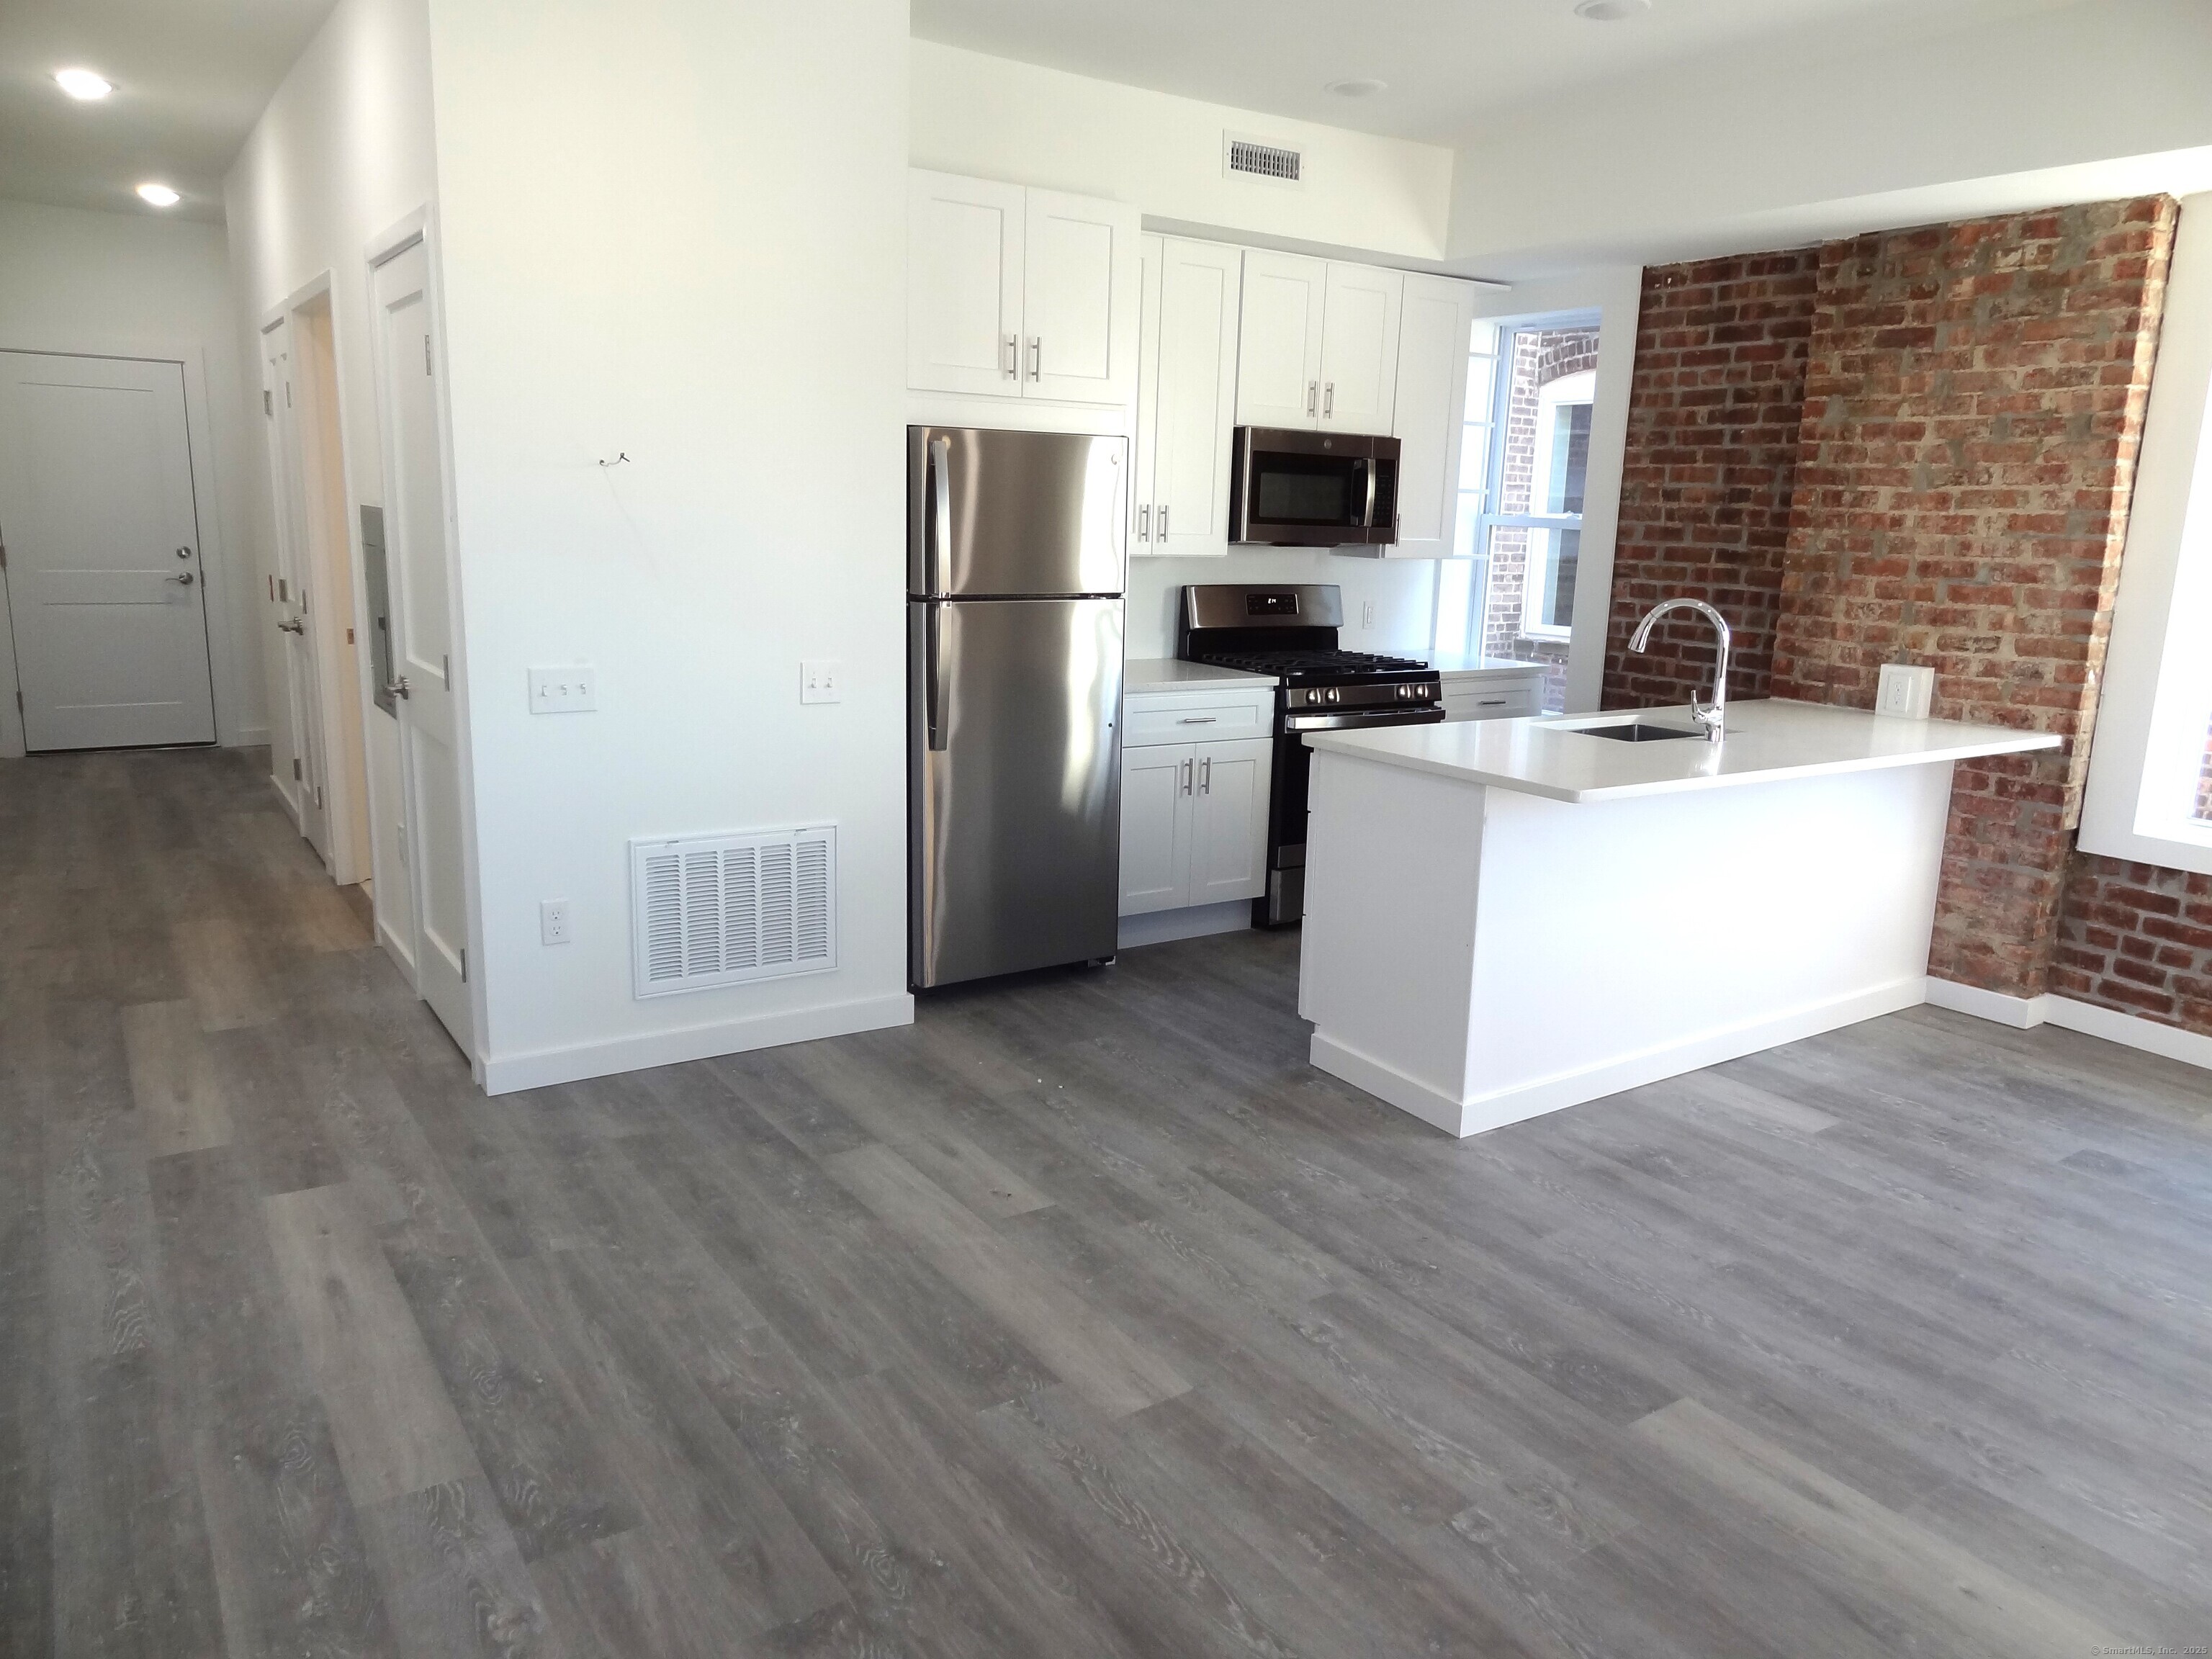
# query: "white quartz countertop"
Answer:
x=1764 y=741
x=1173 y=674
x=1458 y=665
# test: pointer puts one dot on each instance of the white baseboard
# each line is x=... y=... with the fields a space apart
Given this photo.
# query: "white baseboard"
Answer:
x=543 y=1067
x=247 y=737
x=2025 y=1013
x=284 y=793
x=1500 y=1107
x=1192 y=922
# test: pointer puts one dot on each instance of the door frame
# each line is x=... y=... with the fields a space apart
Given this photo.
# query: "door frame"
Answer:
x=350 y=863
x=421 y=226
x=216 y=573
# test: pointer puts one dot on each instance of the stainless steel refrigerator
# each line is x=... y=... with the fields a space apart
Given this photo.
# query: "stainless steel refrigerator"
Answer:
x=1015 y=561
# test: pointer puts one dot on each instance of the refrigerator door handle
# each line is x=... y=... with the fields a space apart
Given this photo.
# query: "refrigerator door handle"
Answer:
x=940 y=540
x=932 y=714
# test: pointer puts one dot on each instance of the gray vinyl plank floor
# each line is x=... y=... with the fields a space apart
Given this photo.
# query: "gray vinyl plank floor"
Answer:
x=1081 y=1318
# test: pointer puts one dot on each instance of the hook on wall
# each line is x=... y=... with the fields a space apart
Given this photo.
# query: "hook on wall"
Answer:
x=619 y=460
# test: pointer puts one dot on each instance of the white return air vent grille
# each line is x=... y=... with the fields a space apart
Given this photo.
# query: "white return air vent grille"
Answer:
x=722 y=909
x=1254 y=158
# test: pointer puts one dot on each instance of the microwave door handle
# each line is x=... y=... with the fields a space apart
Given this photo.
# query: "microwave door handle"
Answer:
x=1373 y=466
x=940 y=472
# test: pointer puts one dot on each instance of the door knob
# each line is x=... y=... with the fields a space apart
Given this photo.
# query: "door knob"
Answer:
x=398 y=688
x=296 y=626
x=182 y=579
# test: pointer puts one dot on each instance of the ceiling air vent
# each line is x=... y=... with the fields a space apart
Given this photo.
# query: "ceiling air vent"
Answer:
x=722 y=909
x=1275 y=164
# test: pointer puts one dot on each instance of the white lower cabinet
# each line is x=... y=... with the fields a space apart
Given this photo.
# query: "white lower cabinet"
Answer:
x=1193 y=822
x=1493 y=696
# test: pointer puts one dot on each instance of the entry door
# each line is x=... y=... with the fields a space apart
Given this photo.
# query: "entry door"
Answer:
x=106 y=592
x=419 y=562
x=303 y=701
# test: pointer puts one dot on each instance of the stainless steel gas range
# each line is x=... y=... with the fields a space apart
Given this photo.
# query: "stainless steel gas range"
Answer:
x=1289 y=630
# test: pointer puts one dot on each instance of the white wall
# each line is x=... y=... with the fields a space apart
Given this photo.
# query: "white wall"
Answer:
x=676 y=231
x=1401 y=590
x=343 y=152
x=130 y=283
x=996 y=118
x=1762 y=149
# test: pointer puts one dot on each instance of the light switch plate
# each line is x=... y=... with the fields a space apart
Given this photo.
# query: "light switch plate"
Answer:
x=1905 y=691
x=553 y=921
x=573 y=690
x=821 y=679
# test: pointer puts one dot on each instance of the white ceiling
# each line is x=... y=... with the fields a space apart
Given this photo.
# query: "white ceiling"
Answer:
x=1448 y=63
x=191 y=77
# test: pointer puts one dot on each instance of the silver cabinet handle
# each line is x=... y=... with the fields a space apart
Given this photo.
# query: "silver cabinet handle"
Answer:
x=1009 y=356
x=1163 y=521
x=1145 y=523
x=1198 y=719
x=182 y=579
x=1328 y=402
x=1206 y=776
x=398 y=687
x=1036 y=356
x=296 y=626
x=1186 y=777
x=940 y=467
x=1312 y=390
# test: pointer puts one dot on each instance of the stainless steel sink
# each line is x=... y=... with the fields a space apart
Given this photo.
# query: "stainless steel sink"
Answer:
x=1633 y=732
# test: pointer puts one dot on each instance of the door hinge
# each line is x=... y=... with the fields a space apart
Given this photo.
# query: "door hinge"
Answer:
x=426 y=355
x=349 y=637
x=465 y=964
x=19 y=704
x=295 y=769
x=318 y=797
x=448 y=671
x=288 y=394
x=268 y=401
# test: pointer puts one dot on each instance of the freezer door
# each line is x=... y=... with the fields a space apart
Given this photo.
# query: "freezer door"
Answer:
x=1014 y=513
x=1015 y=775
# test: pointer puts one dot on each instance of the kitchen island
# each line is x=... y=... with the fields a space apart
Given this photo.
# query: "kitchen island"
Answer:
x=1507 y=917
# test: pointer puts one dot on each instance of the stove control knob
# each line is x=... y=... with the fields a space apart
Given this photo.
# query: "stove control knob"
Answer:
x=1334 y=696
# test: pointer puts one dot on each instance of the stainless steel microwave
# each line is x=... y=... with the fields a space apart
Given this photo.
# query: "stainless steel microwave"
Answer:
x=1292 y=489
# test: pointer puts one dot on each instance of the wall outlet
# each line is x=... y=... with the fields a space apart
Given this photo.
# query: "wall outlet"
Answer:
x=1905 y=691
x=1367 y=613
x=821 y=679
x=573 y=690
x=553 y=921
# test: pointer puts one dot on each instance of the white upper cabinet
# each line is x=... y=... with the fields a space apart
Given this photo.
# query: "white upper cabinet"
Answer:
x=1434 y=334
x=1319 y=343
x=1359 y=348
x=1020 y=293
x=1187 y=398
x=1279 y=361
x=964 y=253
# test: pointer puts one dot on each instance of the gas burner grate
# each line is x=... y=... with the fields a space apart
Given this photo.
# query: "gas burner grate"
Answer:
x=1310 y=662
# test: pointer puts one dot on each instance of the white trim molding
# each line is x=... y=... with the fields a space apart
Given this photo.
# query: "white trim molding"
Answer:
x=543 y=1067
x=2025 y=1013
x=2157 y=694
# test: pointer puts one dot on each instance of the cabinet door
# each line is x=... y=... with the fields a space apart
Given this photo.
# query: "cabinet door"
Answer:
x=1194 y=413
x=1279 y=353
x=1079 y=299
x=1435 y=330
x=1359 y=348
x=965 y=243
x=1151 y=250
x=1229 y=821
x=1155 y=814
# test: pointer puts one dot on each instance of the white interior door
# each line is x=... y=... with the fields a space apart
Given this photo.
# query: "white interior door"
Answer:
x=1195 y=413
x=1080 y=296
x=107 y=592
x=295 y=641
x=1359 y=348
x=1434 y=329
x=420 y=554
x=1279 y=360
x=964 y=284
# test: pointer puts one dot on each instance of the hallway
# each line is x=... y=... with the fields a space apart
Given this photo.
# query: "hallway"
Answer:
x=1080 y=1318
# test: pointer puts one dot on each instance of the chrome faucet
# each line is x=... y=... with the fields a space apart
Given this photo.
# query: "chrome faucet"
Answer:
x=1708 y=715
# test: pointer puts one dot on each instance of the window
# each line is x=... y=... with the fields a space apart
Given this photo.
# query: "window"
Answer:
x=1509 y=590
x=2149 y=794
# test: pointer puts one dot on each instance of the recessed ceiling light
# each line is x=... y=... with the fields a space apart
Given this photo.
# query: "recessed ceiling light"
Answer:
x=82 y=83
x=1611 y=11
x=159 y=194
x=1357 y=88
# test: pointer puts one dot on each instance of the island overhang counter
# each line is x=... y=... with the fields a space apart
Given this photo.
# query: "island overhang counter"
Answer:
x=1508 y=917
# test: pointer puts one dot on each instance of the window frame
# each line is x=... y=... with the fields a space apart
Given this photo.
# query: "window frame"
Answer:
x=1539 y=568
x=2154 y=708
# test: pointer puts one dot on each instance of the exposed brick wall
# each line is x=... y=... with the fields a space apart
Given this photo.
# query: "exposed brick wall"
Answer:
x=2137 y=937
x=1713 y=415
x=1974 y=397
